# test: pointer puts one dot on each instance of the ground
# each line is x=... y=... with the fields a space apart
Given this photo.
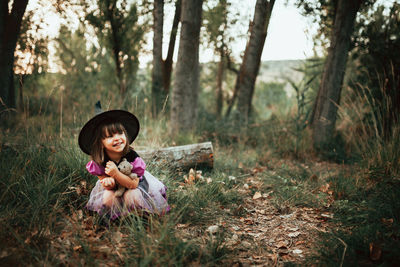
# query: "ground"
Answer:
x=254 y=232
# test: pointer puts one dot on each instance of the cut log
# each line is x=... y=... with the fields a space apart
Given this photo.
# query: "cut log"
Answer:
x=181 y=157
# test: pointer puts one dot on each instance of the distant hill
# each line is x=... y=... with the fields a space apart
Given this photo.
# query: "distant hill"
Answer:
x=279 y=71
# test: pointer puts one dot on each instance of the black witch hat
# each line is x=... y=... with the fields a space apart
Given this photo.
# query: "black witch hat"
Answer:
x=127 y=119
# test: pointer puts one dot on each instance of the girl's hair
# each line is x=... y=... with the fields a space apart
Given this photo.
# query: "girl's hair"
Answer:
x=106 y=129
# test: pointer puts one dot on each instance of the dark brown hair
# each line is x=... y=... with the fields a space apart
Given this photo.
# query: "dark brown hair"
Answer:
x=106 y=129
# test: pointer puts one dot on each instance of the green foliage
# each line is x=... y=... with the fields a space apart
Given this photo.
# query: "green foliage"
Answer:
x=378 y=65
x=270 y=98
x=118 y=30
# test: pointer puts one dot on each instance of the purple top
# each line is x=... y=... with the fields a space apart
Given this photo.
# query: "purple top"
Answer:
x=95 y=169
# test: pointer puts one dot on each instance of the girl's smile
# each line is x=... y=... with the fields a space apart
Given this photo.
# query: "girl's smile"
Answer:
x=115 y=143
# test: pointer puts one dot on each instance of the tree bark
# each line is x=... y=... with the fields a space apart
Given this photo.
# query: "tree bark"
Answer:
x=325 y=108
x=21 y=92
x=220 y=76
x=116 y=48
x=181 y=157
x=252 y=57
x=185 y=91
x=157 y=75
x=167 y=64
x=10 y=25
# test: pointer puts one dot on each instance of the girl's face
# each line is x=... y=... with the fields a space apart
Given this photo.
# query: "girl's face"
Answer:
x=114 y=143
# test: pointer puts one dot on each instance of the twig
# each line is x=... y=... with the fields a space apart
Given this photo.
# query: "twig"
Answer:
x=344 y=250
x=165 y=103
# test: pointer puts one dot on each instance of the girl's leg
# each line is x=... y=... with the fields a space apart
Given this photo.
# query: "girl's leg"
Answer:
x=109 y=198
x=133 y=197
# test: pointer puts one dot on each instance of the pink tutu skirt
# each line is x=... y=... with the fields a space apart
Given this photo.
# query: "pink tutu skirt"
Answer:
x=149 y=196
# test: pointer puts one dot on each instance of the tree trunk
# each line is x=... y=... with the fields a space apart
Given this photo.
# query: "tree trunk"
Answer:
x=181 y=157
x=116 y=47
x=21 y=92
x=185 y=91
x=167 y=66
x=10 y=24
x=157 y=76
x=252 y=57
x=325 y=108
x=220 y=76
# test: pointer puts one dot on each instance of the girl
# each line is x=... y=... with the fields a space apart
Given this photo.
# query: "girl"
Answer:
x=106 y=137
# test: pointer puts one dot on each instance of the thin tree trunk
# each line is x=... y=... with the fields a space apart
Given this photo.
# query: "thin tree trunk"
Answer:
x=220 y=76
x=328 y=98
x=157 y=75
x=167 y=66
x=185 y=90
x=10 y=25
x=251 y=61
x=116 y=47
x=21 y=92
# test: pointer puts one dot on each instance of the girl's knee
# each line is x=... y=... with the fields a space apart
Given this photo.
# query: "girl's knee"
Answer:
x=132 y=196
x=108 y=198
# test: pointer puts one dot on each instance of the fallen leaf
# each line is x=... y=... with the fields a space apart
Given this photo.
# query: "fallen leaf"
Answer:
x=326 y=215
x=77 y=248
x=4 y=254
x=257 y=195
x=297 y=251
x=387 y=222
x=213 y=229
x=375 y=251
x=282 y=244
x=80 y=214
x=324 y=188
x=294 y=234
x=300 y=242
x=105 y=249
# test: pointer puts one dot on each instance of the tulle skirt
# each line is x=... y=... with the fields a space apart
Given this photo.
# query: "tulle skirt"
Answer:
x=149 y=196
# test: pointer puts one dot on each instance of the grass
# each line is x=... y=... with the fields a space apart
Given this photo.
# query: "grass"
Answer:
x=45 y=187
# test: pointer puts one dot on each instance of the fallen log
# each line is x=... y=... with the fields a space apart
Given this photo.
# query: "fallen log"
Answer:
x=195 y=156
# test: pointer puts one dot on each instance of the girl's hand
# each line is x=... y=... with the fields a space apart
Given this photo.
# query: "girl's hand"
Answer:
x=108 y=183
x=111 y=168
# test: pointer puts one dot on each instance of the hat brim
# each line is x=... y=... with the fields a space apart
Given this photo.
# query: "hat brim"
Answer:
x=127 y=119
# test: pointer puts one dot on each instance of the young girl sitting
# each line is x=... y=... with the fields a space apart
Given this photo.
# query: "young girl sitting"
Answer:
x=106 y=137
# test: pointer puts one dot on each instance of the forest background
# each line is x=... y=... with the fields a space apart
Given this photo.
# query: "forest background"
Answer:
x=321 y=134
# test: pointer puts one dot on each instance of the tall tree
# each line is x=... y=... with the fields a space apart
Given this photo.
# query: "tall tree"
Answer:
x=218 y=37
x=157 y=76
x=10 y=25
x=185 y=90
x=118 y=29
x=168 y=62
x=246 y=78
x=31 y=57
x=325 y=108
x=162 y=69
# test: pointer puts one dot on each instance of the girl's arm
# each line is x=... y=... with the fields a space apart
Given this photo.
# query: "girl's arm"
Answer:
x=122 y=179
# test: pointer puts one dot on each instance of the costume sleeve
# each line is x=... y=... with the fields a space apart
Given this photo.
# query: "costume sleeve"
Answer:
x=138 y=166
x=95 y=169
